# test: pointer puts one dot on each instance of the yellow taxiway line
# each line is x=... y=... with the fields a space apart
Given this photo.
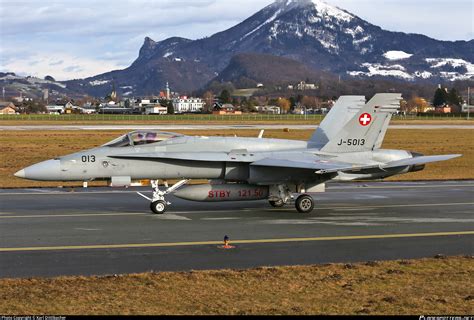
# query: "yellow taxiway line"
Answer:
x=257 y=241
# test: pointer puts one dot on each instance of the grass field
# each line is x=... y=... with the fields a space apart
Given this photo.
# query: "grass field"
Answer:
x=19 y=149
x=429 y=286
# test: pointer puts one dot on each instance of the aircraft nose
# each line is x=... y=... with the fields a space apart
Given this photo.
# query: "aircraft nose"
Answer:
x=49 y=170
x=20 y=174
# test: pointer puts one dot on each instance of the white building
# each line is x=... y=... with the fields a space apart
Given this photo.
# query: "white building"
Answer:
x=467 y=108
x=152 y=106
x=185 y=104
x=156 y=109
x=268 y=109
x=87 y=109
x=306 y=86
x=55 y=109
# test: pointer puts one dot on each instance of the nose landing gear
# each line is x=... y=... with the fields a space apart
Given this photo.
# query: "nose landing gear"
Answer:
x=158 y=202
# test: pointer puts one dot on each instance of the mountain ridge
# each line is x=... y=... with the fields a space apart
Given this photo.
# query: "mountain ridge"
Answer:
x=311 y=32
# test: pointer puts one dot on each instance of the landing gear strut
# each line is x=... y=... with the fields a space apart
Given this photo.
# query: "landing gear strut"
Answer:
x=277 y=204
x=158 y=202
x=279 y=195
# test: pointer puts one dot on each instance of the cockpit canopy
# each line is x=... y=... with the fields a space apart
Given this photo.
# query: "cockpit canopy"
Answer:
x=137 y=138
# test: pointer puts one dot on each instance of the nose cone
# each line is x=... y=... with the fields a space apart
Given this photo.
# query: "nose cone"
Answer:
x=49 y=170
x=20 y=174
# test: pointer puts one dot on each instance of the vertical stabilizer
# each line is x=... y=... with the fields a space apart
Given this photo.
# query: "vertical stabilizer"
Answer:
x=342 y=112
x=366 y=130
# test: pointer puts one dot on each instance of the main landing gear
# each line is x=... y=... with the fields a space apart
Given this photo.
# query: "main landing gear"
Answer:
x=281 y=195
x=303 y=204
x=158 y=202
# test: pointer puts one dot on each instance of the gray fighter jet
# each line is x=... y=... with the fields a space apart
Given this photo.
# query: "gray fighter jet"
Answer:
x=346 y=146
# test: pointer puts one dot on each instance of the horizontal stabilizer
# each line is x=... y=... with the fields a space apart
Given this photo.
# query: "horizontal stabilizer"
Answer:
x=420 y=160
x=394 y=164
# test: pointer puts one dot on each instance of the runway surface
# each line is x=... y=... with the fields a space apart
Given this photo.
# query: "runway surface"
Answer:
x=207 y=127
x=52 y=232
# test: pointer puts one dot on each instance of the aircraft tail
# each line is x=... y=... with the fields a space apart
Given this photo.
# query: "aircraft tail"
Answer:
x=342 y=112
x=366 y=130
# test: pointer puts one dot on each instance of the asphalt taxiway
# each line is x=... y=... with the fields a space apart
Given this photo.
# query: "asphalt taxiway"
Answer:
x=98 y=231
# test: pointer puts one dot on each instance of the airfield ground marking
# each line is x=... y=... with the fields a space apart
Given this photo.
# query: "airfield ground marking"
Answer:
x=75 y=215
x=401 y=205
x=257 y=241
x=237 y=210
x=383 y=206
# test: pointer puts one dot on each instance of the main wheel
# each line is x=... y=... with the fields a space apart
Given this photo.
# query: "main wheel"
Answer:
x=304 y=204
x=277 y=204
x=158 y=207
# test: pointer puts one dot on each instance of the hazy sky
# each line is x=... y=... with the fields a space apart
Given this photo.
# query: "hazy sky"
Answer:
x=78 y=38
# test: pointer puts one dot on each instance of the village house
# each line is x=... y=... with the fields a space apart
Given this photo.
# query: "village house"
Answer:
x=7 y=108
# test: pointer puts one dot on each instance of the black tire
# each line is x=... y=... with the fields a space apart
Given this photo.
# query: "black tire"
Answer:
x=277 y=204
x=304 y=204
x=158 y=207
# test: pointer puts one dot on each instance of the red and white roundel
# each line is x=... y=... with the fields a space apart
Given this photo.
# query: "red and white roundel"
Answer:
x=365 y=119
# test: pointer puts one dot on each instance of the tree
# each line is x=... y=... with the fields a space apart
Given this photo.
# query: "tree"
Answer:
x=248 y=105
x=310 y=102
x=454 y=98
x=284 y=104
x=225 y=96
x=261 y=101
x=208 y=98
x=32 y=107
x=293 y=101
x=440 y=97
x=217 y=87
x=168 y=104
x=415 y=104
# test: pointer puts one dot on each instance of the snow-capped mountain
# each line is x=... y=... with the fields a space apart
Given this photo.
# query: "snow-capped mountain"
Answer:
x=32 y=87
x=312 y=32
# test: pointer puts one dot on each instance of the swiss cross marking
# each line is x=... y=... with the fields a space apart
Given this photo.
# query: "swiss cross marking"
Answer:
x=365 y=119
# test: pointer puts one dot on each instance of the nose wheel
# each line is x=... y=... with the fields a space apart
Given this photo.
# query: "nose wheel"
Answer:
x=158 y=207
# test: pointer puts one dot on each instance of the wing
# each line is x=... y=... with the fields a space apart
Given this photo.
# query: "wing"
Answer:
x=321 y=165
x=330 y=166
x=314 y=164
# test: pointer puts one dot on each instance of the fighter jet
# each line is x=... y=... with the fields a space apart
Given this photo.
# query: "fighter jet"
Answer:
x=345 y=147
